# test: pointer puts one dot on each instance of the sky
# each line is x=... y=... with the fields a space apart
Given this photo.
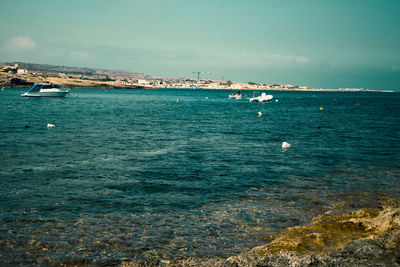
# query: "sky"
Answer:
x=315 y=43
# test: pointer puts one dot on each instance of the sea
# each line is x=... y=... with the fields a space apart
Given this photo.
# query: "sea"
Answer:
x=175 y=173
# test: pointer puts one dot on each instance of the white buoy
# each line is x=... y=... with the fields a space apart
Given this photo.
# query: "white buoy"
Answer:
x=259 y=114
x=276 y=100
x=49 y=125
x=206 y=97
x=286 y=145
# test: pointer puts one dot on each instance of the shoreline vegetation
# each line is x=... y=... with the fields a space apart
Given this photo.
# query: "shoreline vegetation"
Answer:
x=363 y=237
x=23 y=75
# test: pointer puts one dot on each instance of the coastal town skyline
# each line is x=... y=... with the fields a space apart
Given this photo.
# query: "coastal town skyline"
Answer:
x=320 y=45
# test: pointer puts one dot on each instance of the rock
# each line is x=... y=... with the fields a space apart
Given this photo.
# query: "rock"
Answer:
x=142 y=263
x=365 y=237
x=18 y=81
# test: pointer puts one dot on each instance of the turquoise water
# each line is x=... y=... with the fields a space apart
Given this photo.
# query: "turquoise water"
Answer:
x=136 y=174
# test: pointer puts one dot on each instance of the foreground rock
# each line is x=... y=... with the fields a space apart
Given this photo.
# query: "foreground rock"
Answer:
x=366 y=237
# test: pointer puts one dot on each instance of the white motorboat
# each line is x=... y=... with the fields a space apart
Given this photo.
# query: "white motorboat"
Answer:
x=262 y=98
x=45 y=90
x=237 y=96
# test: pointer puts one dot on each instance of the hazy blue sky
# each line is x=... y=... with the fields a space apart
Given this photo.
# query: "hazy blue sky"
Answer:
x=318 y=43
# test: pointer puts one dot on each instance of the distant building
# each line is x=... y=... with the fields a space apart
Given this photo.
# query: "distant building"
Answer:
x=290 y=86
x=143 y=82
x=22 y=71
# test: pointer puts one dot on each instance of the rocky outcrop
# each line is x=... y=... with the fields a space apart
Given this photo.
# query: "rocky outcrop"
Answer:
x=329 y=232
x=365 y=237
x=19 y=82
x=381 y=251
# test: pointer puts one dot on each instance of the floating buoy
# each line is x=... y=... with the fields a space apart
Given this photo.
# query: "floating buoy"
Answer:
x=259 y=114
x=276 y=100
x=49 y=125
x=321 y=108
x=206 y=97
x=177 y=100
x=286 y=145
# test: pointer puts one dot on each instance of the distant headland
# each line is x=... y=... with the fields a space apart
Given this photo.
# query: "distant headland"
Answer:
x=22 y=75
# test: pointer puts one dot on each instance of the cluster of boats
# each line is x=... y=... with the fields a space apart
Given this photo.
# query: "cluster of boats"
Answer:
x=48 y=90
x=262 y=98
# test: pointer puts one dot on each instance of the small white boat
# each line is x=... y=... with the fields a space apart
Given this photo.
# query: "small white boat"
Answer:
x=45 y=90
x=237 y=96
x=262 y=98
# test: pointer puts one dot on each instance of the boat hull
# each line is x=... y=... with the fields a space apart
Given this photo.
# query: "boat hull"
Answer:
x=237 y=97
x=258 y=100
x=45 y=94
x=262 y=98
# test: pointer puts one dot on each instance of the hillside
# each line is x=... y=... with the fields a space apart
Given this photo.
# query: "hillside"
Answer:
x=20 y=74
x=52 y=70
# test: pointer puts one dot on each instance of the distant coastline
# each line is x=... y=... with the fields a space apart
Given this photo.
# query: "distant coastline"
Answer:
x=23 y=75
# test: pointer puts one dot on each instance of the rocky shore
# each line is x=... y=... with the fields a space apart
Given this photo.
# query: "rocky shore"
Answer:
x=9 y=80
x=364 y=237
